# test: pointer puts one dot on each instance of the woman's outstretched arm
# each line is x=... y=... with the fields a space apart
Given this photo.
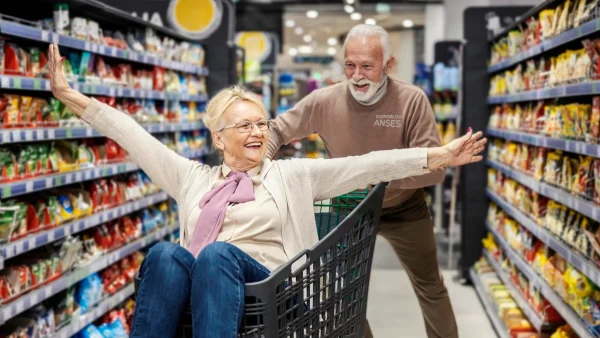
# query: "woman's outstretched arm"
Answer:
x=333 y=177
x=165 y=167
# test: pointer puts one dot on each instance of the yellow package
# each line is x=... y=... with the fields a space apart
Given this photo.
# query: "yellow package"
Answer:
x=584 y=114
x=563 y=22
x=569 y=119
x=546 y=24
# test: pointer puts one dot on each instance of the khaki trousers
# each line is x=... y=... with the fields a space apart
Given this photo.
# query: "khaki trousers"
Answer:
x=414 y=243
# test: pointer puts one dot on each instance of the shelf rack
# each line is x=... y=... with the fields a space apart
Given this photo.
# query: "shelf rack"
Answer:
x=489 y=307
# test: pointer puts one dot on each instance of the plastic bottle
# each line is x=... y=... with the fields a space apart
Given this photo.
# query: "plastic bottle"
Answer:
x=61 y=18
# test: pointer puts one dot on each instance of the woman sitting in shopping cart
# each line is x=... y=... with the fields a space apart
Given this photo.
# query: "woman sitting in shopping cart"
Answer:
x=244 y=218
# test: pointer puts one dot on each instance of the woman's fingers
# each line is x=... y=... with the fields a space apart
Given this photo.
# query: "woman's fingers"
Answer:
x=476 y=159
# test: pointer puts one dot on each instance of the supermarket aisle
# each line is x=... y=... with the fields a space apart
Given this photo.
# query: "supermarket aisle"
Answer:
x=394 y=309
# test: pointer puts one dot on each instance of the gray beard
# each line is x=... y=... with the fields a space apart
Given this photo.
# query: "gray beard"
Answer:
x=378 y=94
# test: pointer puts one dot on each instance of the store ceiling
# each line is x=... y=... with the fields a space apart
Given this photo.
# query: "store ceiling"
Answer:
x=332 y=21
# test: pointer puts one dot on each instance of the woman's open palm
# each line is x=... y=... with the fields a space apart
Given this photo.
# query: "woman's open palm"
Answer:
x=466 y=149
x=58 y=79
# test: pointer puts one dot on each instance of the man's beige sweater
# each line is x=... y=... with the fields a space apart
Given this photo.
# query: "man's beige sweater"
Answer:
x=401 y=119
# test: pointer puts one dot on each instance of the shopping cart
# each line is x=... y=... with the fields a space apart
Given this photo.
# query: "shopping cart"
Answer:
x=326 y=297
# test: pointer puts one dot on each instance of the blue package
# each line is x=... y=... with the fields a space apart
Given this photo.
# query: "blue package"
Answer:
x=91 y=331
x=117 y=329
x=89 y=292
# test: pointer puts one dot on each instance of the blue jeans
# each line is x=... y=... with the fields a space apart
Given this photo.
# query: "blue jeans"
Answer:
x=213 y=283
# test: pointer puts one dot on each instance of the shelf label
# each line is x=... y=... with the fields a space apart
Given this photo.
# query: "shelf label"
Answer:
x=37 y=84
x=17 y=82
x=6 y=191
x=57 y=181
x=69 y=132
x=5 y=82
x=45 y=36
x=113 y=51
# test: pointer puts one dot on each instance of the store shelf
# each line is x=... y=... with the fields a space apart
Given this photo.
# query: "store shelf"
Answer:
x=63 y=133
x=534 y=279
x=32 y=33
x=78 y=324
x=536 y=320
x=577 y=147
x=578 y=261
x=578 y=89
x=52 y=181
x=587 y=28
x=39 y=84
x=578 y=204
x=38 y=240
x=490 y=309
x=37 y=296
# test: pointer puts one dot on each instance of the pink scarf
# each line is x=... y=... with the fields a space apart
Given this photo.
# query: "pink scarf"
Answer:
x=238 y=188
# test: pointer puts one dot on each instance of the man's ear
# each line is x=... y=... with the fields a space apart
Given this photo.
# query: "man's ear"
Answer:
x=218 y=141
x=389 y=65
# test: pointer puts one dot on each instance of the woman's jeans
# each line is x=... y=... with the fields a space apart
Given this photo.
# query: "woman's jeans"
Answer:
x=213 y=283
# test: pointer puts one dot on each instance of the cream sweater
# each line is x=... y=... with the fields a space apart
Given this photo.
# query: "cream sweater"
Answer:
x=294 y=184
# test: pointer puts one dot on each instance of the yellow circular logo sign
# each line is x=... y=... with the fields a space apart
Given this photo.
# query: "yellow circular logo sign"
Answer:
x=196 y=19
x=257 y=45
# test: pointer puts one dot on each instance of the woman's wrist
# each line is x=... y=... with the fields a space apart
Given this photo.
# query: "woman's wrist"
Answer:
x=437 y=158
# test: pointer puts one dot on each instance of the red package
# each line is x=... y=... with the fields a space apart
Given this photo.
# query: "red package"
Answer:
x=158 y=78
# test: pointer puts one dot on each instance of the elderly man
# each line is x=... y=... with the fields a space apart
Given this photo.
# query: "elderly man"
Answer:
x=369 y=112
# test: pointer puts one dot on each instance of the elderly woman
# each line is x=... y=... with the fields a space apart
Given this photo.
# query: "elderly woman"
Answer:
x=244 y=218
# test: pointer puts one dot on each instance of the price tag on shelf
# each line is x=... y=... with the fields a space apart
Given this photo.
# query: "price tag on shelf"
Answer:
x=16 y=136
x=47 y=85
x=101 y=49
x=39 y=134
x=45 y=36
x=55 y=38
x=29 y=186
x=6 y=191
x=57 y=181
x=37 y=84
x=113 y=51
x=17 y=82
x=5 y=82
x=87 y=46
x=20 y=305
x=69 y=132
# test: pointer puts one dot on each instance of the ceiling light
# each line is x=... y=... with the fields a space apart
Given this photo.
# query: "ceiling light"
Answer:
x=298 y=30
x=356 y=16
x=307 y=38
x=370 y=21
x=349 y=9
x=290 y=23
x=349 y=2
x=408 y=23
x=312 y=14
x=331 y=51
x=305 y=49
x=332 y=41
x=293 y=51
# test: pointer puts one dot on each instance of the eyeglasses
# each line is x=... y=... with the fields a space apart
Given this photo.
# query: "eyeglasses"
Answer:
x=247 y=126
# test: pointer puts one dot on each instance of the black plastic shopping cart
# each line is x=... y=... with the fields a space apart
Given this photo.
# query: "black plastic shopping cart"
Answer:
x=326 y=297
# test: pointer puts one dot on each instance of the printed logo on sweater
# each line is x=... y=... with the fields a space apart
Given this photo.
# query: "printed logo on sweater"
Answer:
x=388 y=121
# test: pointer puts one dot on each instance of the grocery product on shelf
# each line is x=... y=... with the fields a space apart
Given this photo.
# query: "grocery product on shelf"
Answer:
x=59 y=312
x=544 y=26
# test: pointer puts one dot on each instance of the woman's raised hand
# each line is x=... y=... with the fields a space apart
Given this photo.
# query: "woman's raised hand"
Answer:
x=465 y=149
x=58 y=80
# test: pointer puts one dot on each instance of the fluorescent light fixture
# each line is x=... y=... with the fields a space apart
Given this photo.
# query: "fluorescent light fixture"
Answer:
x=349 y=9
x=356 y=16
x=331 y=51
x=307 y=38
x=408 y=23
x=332 y=41
x=349 y=2
x=312 y=14
x=298 y=30
x=290 y=23
x=293 y=51
x=370 y=21
x=305 y=49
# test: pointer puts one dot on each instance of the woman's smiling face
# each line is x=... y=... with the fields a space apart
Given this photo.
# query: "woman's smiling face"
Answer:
x=244 y=139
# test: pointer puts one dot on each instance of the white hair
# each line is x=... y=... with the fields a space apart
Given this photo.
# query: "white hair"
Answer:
x=365 y=31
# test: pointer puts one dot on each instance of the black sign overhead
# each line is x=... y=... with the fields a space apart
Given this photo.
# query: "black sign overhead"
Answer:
x=324 y=60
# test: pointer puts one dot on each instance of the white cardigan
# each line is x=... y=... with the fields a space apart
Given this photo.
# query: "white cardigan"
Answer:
x=294 y=184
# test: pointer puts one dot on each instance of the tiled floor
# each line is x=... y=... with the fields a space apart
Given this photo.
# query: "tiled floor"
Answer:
x=393 y=309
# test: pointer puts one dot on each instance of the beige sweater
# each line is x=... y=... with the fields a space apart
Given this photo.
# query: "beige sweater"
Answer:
x=294 y=184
